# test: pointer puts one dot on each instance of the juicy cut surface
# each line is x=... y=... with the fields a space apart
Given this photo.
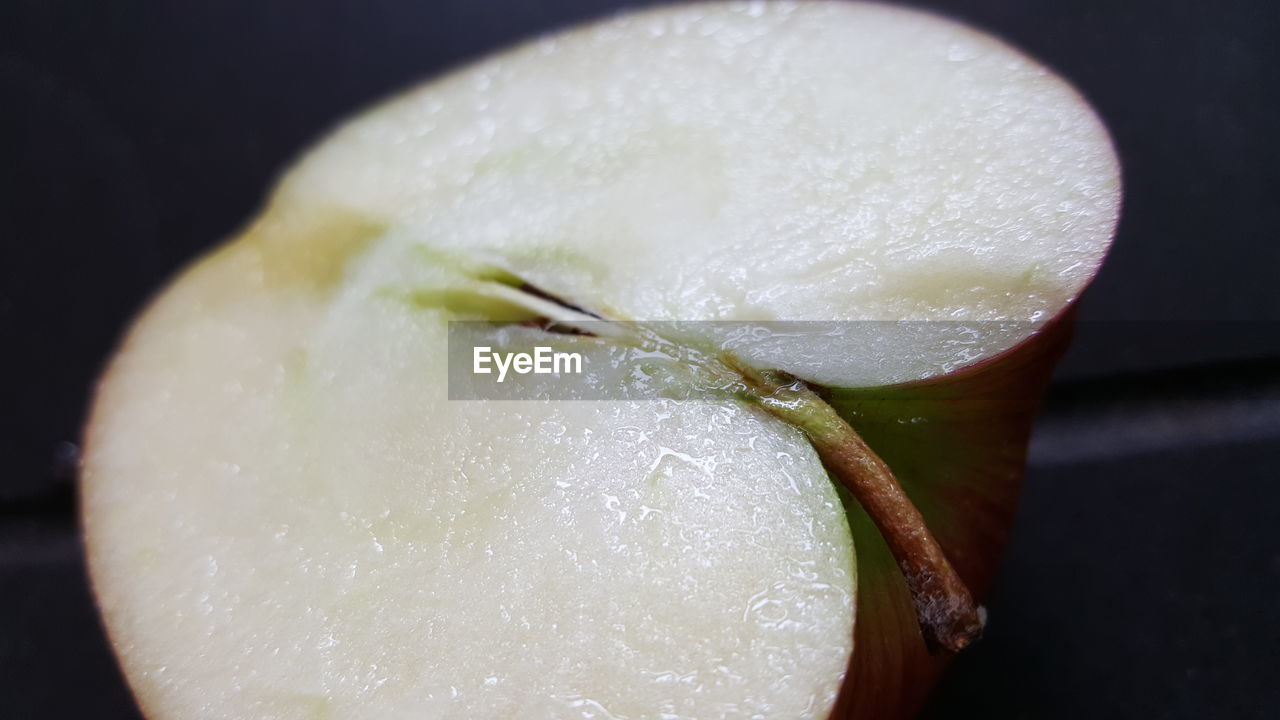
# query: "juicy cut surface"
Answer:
x=287 y=518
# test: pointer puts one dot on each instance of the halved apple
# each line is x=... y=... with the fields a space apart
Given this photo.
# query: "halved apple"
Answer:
x=288 y=518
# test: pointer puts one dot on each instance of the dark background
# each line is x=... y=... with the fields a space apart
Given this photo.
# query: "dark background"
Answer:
x=1143 y=579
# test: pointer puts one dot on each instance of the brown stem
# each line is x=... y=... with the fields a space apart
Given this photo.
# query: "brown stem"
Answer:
x=948 y=616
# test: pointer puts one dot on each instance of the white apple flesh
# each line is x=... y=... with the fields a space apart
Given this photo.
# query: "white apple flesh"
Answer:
x=287 y=518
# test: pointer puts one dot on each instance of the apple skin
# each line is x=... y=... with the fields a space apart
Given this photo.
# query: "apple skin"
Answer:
x=957 y=445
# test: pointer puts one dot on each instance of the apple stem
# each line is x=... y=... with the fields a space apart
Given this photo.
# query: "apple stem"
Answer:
x=948 y=616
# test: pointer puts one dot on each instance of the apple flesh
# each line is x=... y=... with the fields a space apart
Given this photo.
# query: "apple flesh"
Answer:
x=286 y=517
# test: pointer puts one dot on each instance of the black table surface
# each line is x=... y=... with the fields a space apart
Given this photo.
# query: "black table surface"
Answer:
x=1143 y=578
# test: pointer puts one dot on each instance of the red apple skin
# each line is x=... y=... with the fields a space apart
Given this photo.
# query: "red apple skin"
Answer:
x=958 y=446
